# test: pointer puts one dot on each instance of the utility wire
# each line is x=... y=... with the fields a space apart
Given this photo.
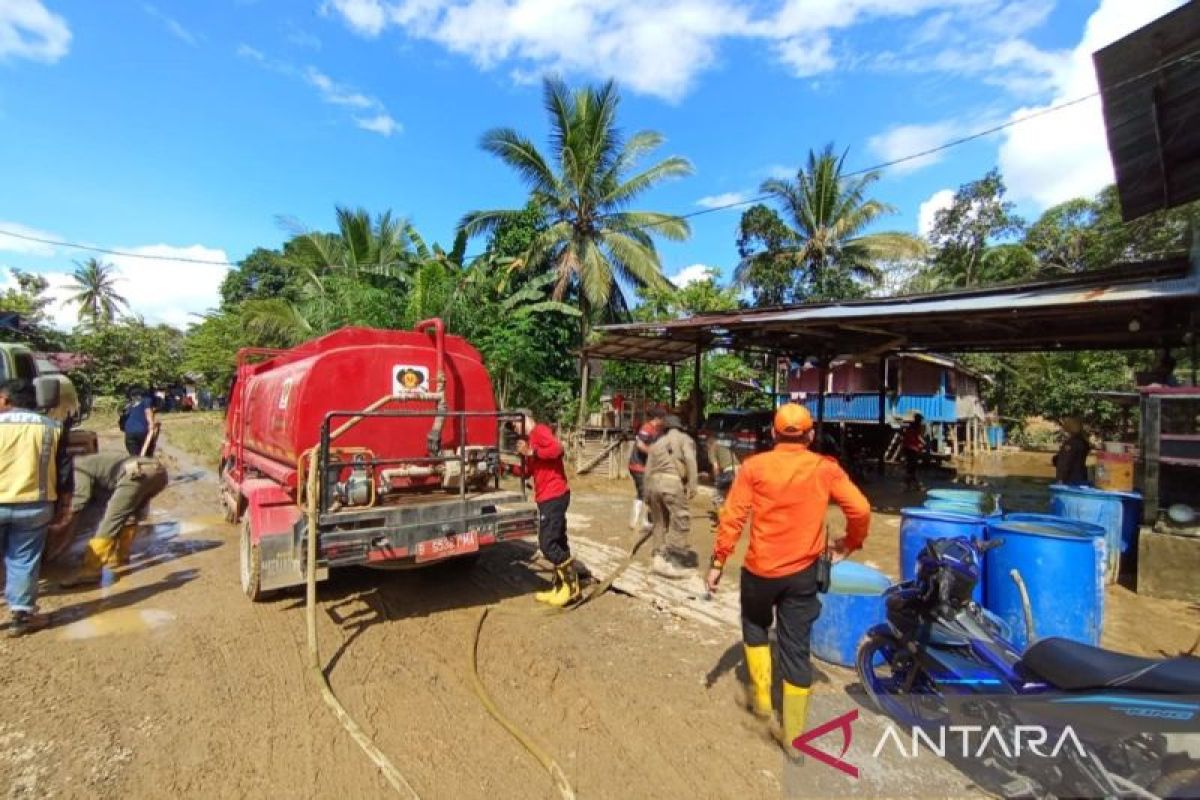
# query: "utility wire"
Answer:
x=1187 y=57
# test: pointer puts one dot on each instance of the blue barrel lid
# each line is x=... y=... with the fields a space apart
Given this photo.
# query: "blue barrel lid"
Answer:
x=941 y=516
x=1086 y=528
x=851 y=578
x=958 y=495
x=1046 y=530
x=1092 y=491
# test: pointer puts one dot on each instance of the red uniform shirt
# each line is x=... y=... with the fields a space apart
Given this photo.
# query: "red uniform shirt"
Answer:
x=545 y=462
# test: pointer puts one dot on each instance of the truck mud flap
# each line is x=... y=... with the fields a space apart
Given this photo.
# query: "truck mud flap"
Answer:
x=281 y=568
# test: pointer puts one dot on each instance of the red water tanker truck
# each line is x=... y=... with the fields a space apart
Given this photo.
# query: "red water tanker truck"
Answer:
x=407 y=439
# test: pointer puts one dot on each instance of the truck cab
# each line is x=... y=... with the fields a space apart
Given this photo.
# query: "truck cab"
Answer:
x=18 y=362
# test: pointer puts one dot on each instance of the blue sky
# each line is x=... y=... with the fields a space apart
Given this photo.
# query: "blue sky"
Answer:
x=189 y=128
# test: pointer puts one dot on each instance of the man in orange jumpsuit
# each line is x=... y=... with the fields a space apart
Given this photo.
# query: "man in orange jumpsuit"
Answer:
x=785 y=493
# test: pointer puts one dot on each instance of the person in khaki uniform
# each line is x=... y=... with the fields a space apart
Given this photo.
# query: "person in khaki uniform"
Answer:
x=123 y=487
x=671 y=480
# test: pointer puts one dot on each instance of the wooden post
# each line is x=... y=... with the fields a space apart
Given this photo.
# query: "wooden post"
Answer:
x=673 y=398
x=822 y=379
x=883 y=426
x=774 y=381
x=697 y=411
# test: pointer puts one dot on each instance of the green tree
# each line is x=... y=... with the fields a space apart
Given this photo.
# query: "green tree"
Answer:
x=824 y=244
x=1087 y=234
x=379 y=246
x=130 y=353
x=97 y=296
x=584 y=187
x=716 y=368
x=978 y=218
x=24 y=313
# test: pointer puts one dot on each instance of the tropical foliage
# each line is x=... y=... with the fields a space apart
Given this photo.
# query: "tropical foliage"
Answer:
x=96 y=292
x=576 y=254
x=823 y=247
x=583 y=186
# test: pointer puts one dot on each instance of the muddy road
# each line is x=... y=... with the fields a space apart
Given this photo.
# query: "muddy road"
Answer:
x=169 y=682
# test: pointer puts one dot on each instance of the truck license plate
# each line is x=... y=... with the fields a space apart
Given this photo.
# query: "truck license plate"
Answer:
x=457 y=544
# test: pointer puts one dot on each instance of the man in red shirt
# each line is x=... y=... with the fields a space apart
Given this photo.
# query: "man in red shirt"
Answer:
x=647 y=435
x=913 y=442
x=543 y=455
x=784 y=494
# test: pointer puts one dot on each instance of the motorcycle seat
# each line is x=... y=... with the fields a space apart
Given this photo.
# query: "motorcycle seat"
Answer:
x=1074 y=666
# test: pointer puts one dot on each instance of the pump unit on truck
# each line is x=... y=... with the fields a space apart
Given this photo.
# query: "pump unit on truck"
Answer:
x=408 y=442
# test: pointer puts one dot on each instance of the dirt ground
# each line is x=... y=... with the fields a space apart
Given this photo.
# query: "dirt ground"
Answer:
x=170 y=683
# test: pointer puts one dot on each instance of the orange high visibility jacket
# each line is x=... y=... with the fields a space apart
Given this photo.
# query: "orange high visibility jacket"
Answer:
x=785 y=493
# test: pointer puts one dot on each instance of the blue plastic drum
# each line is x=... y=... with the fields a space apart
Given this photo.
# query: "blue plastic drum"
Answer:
x=1062 y=567
x=965 y=496
x=853 y=604
x=919 y=525
x=1119 y=513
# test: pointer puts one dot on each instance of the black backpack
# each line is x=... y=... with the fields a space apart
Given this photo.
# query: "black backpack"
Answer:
x=124 y=416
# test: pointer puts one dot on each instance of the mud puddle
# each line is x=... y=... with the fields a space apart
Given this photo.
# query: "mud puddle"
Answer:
x=118 y=622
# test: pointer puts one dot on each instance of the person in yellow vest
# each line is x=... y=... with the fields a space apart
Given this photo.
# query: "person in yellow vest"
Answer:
x=35 y=484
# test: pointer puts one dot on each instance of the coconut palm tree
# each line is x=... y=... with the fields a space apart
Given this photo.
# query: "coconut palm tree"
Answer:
x=584 y=184
x=97 y=296
x=825 y=237
x=380 y=246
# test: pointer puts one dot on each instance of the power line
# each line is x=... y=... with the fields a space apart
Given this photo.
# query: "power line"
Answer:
x=121 y=253
x=1187 y=57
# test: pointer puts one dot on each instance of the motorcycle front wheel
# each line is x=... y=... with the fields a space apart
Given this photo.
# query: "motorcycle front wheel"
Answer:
x=896 y=684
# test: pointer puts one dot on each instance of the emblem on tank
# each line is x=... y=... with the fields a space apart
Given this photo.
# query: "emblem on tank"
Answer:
x=407 y=378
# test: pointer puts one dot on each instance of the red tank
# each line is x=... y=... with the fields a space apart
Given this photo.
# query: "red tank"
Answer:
x=286 y=397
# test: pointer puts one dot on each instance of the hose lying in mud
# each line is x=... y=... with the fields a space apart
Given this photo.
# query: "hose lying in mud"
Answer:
x=547 y=762
x=390 y=773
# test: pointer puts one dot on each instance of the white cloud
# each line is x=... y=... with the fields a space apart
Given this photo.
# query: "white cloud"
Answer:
x=335 y=93
x=693 y=274
x=383 y=124
x=1065 y=154
x=807 y=55
x=927 y=212
x=29 y=30
x=901 y=141
x=365 y=16
x=173 y=26
x=778 y=171
x=723 y=199
x=370 y=112
x=659 y=47
x=16 y=244
x=160 y=291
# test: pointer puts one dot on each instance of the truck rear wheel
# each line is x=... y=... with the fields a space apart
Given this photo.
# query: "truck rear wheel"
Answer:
x=251 y=565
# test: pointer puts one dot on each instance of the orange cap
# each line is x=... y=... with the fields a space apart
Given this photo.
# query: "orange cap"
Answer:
x=792 y=419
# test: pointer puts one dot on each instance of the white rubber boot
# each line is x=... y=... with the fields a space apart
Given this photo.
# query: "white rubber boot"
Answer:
x=635 y=514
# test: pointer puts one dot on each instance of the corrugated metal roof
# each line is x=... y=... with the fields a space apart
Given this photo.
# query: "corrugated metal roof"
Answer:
x=1146 y=305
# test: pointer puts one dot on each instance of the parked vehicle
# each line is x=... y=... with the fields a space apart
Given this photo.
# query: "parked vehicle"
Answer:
x=407 y=439
x=941 y=661
x=18 y=361
x=745 y=431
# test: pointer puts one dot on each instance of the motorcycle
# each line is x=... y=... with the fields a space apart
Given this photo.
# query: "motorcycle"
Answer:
x=941 y=660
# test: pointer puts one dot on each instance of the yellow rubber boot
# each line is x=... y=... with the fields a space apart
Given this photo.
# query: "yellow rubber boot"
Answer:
x=124 y=545
x=795 y=713
x=758 y=665
x=99 y=552
x=566 y=586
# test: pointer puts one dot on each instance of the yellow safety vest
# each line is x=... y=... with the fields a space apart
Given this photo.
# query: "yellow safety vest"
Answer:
x=28 y=464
